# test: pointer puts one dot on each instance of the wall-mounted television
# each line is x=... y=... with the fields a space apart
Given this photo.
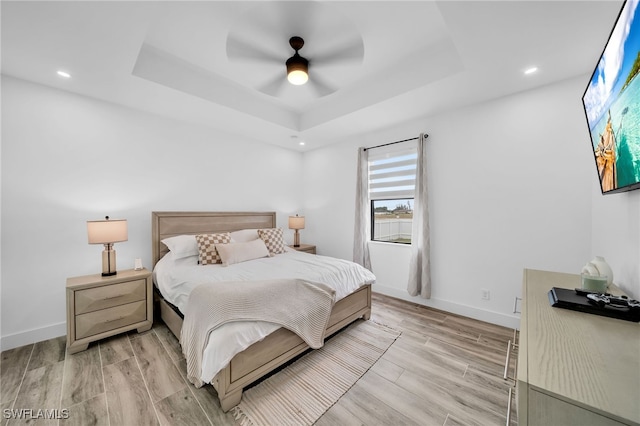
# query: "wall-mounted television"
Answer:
x=612 y=105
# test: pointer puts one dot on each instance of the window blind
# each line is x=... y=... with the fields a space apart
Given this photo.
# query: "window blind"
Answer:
x=392 y=174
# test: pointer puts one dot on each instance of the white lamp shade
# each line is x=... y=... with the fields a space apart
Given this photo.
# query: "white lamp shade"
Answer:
x=107 y=231
x=296 y=222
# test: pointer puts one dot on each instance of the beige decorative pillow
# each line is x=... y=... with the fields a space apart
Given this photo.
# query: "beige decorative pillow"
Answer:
x=244 y=235
x=207 y=253
x=272 y=238
x=241 y=252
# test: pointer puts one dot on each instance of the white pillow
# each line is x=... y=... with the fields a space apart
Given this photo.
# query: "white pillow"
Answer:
x=182 y=246
x=241 y=252
x=244 y=235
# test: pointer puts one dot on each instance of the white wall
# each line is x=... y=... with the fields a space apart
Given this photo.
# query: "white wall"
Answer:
x=67 y=159
x=510 y=188
x=512 y=185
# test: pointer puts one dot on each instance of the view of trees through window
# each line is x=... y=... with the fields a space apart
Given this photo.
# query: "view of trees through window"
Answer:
x=391 y=220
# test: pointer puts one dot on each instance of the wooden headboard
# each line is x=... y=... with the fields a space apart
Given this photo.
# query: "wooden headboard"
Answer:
x=169 y=224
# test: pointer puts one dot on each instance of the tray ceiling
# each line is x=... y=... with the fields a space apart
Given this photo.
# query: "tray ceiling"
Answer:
x=372 y=64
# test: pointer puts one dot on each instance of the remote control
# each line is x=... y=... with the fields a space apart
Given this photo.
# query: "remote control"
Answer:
x=606 y=299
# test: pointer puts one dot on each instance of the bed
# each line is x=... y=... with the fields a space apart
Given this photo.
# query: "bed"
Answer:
x=276 y=348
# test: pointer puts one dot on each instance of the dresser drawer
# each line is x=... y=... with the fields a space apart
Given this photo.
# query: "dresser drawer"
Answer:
x=109 y=319
x=93 y=299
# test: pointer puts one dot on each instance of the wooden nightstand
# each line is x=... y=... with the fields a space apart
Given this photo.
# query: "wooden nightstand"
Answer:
x=99 y=307
x=307 y=248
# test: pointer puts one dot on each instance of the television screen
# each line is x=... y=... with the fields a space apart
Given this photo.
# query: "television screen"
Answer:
x=612 y=105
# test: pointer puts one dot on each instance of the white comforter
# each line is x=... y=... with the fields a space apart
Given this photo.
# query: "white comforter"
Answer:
x=176 y=278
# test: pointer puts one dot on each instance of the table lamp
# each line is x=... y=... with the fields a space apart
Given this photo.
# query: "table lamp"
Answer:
x=107 y=232
x=296 y=222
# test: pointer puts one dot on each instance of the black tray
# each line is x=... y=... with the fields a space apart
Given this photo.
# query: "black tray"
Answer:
x=569 y=299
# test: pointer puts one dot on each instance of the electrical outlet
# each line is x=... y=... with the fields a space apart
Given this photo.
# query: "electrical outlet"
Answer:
x=485 y=294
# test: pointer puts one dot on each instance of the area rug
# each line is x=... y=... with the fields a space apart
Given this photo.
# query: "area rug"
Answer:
x=302 y=392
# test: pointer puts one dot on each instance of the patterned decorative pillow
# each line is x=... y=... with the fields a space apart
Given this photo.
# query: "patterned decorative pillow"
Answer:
x=272 y=238
x=207 y=253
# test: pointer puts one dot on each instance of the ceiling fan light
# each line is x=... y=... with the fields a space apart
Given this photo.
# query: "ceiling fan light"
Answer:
x=297 y=77
x=297 y=70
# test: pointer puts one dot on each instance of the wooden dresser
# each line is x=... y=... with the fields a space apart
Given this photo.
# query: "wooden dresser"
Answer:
x=574 y=368
x=99 y=307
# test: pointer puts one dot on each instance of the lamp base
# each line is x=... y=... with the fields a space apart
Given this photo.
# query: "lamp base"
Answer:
x=108 y=261
x=296 y=239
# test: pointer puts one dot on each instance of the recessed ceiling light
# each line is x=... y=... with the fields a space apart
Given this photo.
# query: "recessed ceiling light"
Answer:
x=301 y=143
x=64 y=74
x=530 y=70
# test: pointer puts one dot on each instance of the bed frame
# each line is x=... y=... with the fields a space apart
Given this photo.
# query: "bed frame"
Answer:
x=277 y=348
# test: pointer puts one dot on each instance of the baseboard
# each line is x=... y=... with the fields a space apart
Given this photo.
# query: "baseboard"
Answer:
x=32 y=336
x=510 y=321
x=55 y=330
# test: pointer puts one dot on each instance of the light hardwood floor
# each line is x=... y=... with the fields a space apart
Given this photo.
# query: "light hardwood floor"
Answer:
x=443 y=370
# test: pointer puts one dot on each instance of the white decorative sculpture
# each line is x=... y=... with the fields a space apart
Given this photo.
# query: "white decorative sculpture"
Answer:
x=598 y=267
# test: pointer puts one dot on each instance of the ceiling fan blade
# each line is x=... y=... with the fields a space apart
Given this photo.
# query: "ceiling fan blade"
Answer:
x=274 y=86
x=353 y=52
x=244 y=50
x=320 y=86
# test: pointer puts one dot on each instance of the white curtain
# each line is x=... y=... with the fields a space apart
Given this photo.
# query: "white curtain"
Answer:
x=363 y=216
x=420 y=265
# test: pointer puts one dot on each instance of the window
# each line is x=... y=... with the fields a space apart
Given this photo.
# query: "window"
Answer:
x=392 y=178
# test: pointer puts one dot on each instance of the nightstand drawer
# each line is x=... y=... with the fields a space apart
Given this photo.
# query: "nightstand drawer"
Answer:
x=110 y=319
x=93 y=299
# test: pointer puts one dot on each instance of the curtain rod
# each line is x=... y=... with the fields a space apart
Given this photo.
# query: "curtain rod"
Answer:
x=393 y=143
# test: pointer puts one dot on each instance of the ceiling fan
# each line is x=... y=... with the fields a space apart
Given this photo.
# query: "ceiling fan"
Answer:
x=297 y=66
x=333 y=48
x=300 y=71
